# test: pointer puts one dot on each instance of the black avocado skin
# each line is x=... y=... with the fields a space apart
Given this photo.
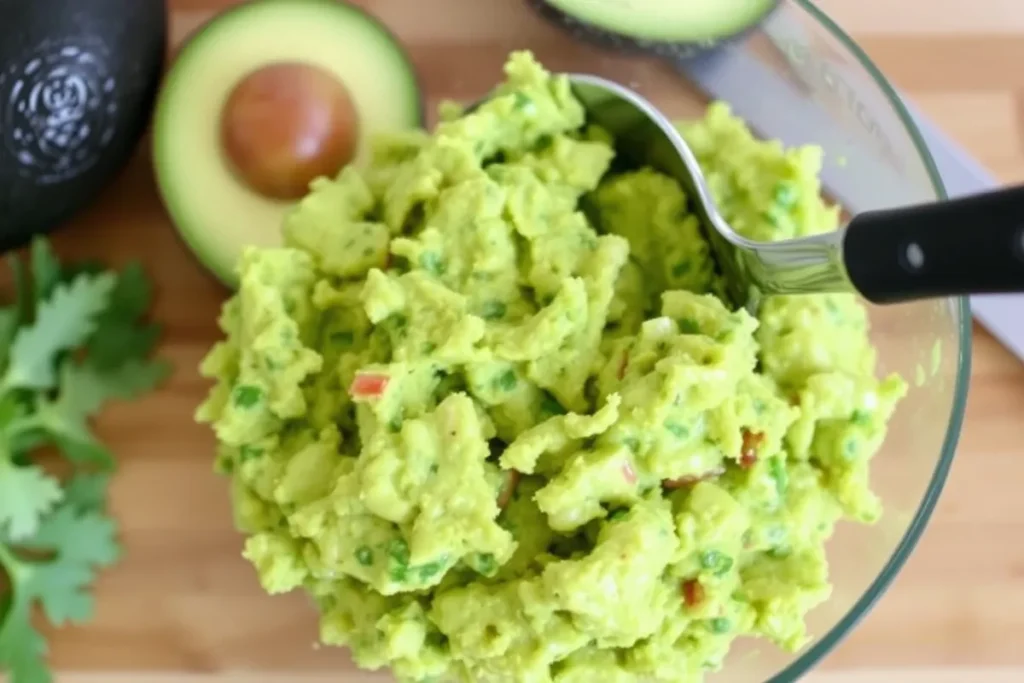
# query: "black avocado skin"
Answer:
x=77 y=83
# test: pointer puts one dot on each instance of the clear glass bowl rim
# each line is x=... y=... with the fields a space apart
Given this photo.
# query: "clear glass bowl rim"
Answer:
x=809 y=658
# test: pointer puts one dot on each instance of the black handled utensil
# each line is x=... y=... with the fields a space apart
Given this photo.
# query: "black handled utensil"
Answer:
x=972 y=245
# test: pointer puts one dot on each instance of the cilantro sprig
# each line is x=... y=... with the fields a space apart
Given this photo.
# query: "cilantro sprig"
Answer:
x=73 y=338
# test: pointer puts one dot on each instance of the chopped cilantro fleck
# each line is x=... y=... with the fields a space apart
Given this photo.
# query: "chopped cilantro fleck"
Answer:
x=493 y=310
x=550 y=405
x=436 y=639
x=364 y=556
x=246 y=395
x=677 y=430
x=720 y=625
x=777 y=468
x=786 y=194
x=771 y=217
x=429 y=570
x=432 y=263
x=718 y=563
x=506 y=381
x=398 y=550
x=343 y=338
x=688 y=326
x=618 y=514
x=523 y=102
x=485 y=564
x=249 y=452
x=680 y=269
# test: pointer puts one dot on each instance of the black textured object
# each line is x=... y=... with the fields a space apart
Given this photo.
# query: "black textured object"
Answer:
x=972 y=245
x=674 y=52
x=77 y=84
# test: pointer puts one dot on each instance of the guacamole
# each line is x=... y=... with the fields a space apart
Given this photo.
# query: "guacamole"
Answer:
x=489 y=407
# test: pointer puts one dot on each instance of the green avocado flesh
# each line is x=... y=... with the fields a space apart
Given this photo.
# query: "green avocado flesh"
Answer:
x=681 y=21
x=215 y=212
x=496 y=438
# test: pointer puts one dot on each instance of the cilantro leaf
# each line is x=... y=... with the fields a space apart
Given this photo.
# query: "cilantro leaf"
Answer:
x=63 y=321
x=26 y=494
x=23 y=304
x=120 y=334
x=74 y=545
x=118 y=340
x=9 y=320
x=83 y=449
x=75 y=339
x=84 y=388
x=46 y=270
x=132 y=294
x=87 y=491
x=22 y=648
x=77 y=544
x=12 y=408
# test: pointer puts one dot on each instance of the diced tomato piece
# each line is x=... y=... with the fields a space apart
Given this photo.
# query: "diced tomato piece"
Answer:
x=751 y=442
x=368 y=385
x=693 y=592
x=511 y=481
x=690 y=479
x=628 y=473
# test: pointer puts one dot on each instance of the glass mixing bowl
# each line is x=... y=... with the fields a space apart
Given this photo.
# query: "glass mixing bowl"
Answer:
x=798 y=78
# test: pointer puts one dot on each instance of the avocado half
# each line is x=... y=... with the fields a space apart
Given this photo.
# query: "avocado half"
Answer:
x=672 y=28
x=216 y=212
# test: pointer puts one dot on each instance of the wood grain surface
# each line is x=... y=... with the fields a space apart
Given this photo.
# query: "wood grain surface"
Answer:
x=184 y=607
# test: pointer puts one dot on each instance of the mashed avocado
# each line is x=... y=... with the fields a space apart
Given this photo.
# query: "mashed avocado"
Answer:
x=489 y=409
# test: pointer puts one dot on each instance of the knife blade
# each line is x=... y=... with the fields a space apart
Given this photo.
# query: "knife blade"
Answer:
x=816 y=98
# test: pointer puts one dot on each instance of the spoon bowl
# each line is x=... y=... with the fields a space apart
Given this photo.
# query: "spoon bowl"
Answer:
x=972 y=245
x=646 y=137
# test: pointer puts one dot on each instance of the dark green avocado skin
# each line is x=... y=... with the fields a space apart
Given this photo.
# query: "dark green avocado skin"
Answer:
x=671 y=51
x=77 y=83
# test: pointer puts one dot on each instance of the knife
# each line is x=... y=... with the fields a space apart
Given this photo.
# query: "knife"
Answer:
x=809 y=95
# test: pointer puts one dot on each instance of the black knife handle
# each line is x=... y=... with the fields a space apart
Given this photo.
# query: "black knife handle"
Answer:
x=971 y=245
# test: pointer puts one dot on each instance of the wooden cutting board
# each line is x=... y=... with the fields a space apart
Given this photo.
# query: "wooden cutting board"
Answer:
x=184 y=606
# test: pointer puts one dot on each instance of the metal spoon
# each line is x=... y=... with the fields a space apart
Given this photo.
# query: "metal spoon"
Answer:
x=972 y=245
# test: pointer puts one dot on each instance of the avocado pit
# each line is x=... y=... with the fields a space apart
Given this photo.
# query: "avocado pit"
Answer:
x=285 y=124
